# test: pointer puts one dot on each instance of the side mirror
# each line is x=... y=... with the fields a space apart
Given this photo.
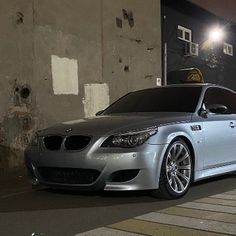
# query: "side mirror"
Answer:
x=203 y=112
x=99 y=113
x=217 y=108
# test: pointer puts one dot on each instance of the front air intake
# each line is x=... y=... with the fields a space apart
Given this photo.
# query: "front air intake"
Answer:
x=68 y=175
x=123 y=175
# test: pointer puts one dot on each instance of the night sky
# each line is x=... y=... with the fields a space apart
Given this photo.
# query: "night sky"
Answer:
x=224 y=8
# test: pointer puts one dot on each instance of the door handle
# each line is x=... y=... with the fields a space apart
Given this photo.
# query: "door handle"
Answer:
x=232 y=125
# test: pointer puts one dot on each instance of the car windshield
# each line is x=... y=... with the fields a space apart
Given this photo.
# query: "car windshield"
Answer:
x=163 y=99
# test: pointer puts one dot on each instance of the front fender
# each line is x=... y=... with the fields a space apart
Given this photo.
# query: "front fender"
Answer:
x=166 y=135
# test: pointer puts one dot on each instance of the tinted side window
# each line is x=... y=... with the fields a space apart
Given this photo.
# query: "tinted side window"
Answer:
x=221 y=96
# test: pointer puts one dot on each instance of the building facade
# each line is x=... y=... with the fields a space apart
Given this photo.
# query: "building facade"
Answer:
x=63 y=60
x=186 y=30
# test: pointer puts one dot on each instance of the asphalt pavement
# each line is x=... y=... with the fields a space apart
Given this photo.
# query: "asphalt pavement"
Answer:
x=44 y=212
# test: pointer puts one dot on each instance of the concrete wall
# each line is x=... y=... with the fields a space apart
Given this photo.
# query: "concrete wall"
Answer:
x=58 y=57
x=131 y=58
x=17 y=109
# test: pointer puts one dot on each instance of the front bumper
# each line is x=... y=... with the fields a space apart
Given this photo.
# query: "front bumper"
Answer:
x=146 y=159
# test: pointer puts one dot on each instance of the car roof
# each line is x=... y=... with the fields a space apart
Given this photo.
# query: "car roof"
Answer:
x=203 y=85
x=183 y=85
x=193 y=85
x=187 y=85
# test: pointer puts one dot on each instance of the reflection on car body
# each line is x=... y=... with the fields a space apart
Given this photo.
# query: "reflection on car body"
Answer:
x=159 y=139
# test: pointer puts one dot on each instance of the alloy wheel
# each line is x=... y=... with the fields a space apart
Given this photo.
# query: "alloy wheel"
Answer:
x=178 y=167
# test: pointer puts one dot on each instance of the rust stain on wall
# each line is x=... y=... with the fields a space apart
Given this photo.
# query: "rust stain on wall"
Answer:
x=17 y=127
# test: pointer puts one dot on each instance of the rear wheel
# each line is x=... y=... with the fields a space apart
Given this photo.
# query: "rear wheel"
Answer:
x=176 y=171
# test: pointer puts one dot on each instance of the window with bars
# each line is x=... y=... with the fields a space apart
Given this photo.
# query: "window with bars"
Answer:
x=228 y=49
x=184 y=34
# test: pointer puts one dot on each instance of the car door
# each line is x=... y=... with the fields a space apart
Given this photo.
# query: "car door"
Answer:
x=219 y=129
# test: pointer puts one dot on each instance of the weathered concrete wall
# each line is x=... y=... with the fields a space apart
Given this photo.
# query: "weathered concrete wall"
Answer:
x=131 y=44
x=58 y=57
x=67 y=29
x=17 y=110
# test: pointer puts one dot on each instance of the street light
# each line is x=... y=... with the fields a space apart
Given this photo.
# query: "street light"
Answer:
x=216 y=34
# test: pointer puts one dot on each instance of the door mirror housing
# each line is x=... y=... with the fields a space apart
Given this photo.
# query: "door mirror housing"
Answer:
x=217 y=108
x=203 y=112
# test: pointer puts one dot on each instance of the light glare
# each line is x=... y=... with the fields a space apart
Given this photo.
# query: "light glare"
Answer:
x=216 y=35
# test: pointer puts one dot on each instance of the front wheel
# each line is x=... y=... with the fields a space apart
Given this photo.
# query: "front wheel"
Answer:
x=176 y=171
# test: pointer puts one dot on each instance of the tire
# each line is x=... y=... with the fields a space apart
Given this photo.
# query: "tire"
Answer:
x=176 y=171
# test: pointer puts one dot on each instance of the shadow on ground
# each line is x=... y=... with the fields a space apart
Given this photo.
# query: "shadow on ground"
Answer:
x=26 y=199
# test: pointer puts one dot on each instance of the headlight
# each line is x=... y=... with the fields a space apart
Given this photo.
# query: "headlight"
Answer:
x=130 y=139
x=34 y=140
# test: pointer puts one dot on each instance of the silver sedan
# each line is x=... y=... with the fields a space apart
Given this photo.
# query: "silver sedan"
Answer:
x=160 y=139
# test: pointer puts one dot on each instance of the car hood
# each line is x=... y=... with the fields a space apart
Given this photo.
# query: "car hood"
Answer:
x=104 y=125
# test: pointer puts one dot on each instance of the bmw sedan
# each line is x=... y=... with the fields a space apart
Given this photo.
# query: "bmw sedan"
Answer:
x=160 y=139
